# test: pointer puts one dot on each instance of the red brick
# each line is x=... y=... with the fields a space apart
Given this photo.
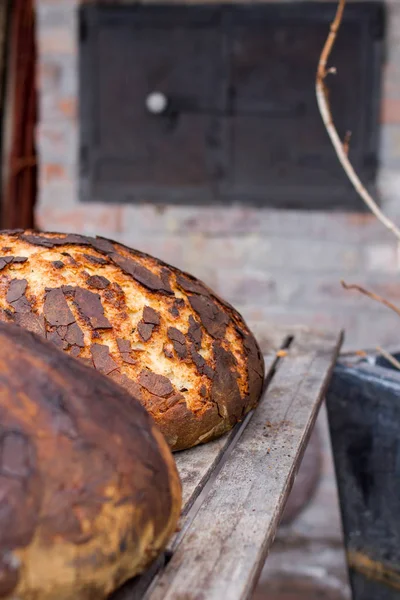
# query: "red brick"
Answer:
x=360 y=219
x=390 y=145
x=68 y=107
x=57 y=40
x=53 y=171
x=382 y=257
x=98 y=218
x=391 y=82
x=57 y=142
x=390 y=110
x=49 y=74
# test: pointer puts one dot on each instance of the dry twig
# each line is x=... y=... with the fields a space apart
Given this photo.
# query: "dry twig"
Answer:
x=393 y=361
x=371 y=295
x=346 y=142
x=342 y=151
x=342 y=148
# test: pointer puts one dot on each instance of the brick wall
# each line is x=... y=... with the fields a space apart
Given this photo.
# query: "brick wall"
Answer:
x=275 y=266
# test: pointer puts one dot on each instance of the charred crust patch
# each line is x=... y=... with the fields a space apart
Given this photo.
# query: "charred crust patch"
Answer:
x=58 y=264
x=53 y=242
x=167 y=404
x=155 y=384
x=195 y=332
x=19 y=259
x=90 y=308
x=11 y=260
x=16 y=296
x=178 y=303
x=115 y=296
x=191 y=285
x=56 y=310
x=145 y=330
x=65 y=336
x=98 y=282
x=55 y=337
x=96 y=260
x=102 y=360
x=124 y=347
x=16 y=289
x=225 y=390
x=74 y=335
x=201 y=365
x=69 y=259
x=66 y=332
x=37 y=240
x=31 y=322
x=101 y=245
x=165 y=278
x=174 y=311
x=142 y=275
x=213 y=319
x=4 y=261
x=150 y=320
x=255 y=366
x=178 y=341
x=151 y=316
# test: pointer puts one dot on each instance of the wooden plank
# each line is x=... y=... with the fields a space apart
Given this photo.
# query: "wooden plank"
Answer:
x=196 y=465
x=223 y=550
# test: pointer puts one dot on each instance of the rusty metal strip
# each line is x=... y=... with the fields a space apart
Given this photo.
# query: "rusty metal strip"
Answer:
x=21 y=186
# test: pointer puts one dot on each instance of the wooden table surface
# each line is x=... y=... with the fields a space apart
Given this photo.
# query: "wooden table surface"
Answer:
x=235 y=488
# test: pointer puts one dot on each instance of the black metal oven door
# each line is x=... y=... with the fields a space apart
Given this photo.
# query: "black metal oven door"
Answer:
x=152 y=90
x=216 y=103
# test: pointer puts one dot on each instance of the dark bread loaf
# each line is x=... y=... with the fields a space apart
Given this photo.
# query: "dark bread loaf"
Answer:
x=186 y=355
x=89 y=492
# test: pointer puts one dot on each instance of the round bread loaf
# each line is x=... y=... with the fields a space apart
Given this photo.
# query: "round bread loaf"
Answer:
x=89 y=492
x=186 y=355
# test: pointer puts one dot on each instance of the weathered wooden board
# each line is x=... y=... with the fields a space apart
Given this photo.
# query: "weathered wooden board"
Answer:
x=196 y=468
x=235 y=488
x=223 y=550
x=196 y=465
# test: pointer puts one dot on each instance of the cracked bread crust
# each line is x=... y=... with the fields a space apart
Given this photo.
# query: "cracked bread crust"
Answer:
x=89 y=489
x=184 y=353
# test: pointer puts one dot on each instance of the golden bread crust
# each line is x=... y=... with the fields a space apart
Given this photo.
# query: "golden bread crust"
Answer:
x=184 y=353
x=89 y=489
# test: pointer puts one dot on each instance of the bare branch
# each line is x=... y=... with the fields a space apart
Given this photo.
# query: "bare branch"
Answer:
x=346 y=142
x=340 y=148
x=393 y=361
x=371 y=295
